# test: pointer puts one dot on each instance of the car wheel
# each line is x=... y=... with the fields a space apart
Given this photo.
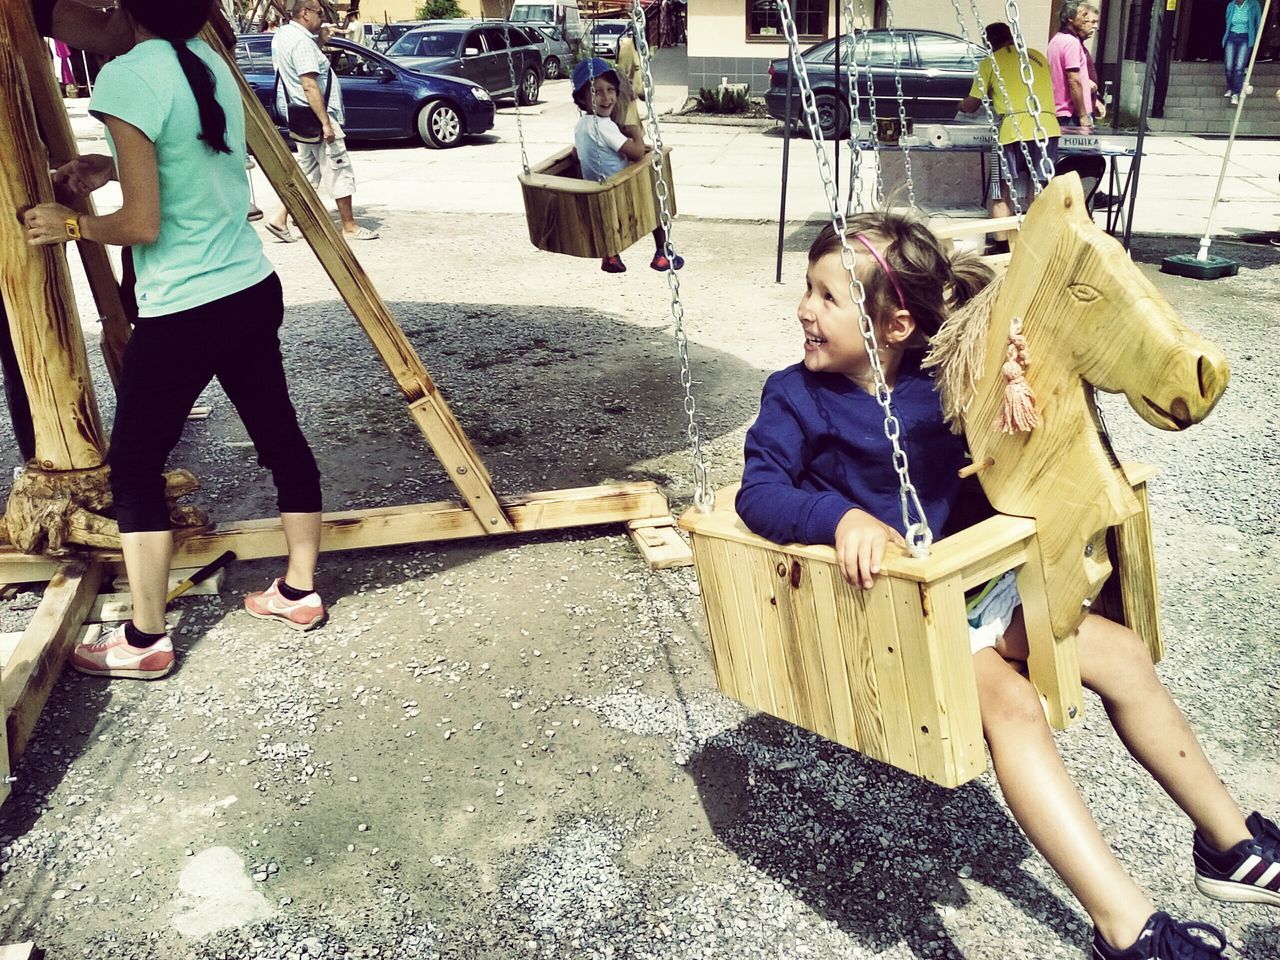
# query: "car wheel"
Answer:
x=439 y=125
x=833 y=116
x=529 y=88
x=552 y=68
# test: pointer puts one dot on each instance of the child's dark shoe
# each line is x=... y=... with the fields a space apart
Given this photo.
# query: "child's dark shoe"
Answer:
x=1164 y=938
x=613 y=264
x=662 y=264
x=1247 y=873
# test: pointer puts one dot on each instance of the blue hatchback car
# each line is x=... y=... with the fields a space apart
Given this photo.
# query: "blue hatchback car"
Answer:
x=383 y=100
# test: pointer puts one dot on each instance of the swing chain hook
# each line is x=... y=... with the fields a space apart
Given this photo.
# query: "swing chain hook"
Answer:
x=704 y=497
x=914 y=520
x=515 y=91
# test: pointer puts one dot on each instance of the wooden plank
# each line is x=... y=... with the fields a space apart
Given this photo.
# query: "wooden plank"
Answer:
x=428 y=407
x=949 y=631
x=35 y=663
x=894 y=706
x=920 y=665
x=660 y=544
x=830 y=650
x=955 y=229
x=750 y=610
x=390 y=526
x=1135 y=564
x=715 y=598
x=798 y=632
x=1052 y=662
x=18 y=951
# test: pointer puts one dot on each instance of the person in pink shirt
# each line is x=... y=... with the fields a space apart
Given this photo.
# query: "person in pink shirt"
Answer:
x=1075 y=100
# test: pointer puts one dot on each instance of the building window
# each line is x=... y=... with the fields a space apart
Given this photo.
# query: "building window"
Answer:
x=764 y=22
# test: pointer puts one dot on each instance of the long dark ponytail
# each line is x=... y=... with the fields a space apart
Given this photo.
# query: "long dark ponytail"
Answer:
x=178 y=21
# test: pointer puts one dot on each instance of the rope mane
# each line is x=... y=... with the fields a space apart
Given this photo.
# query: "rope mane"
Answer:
x=958 y=351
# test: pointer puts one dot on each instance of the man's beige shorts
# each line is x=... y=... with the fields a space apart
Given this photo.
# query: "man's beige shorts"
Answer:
x=328 y=164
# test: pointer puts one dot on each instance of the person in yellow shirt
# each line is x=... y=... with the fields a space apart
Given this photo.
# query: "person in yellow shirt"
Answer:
x=1017 y=125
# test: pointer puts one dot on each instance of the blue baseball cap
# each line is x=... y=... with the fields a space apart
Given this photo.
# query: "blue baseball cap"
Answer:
x=588 y=70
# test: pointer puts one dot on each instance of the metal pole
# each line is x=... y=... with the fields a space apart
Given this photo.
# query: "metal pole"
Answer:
x=1154 y=39
x=1231 y=139
x=786 y=161
x=835 y=133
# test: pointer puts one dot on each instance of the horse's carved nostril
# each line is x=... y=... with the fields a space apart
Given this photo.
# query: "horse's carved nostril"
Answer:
x=1207 y=376
x=1180 y=412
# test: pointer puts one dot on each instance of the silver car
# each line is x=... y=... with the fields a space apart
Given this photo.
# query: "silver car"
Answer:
x=605 y=36
x=557 y=52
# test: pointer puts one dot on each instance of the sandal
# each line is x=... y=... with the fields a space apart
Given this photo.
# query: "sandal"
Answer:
x=364 y=233
x=283 y=234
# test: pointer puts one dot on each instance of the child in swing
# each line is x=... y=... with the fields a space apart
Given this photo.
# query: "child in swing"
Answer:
x=604 y=147
x=819 y=470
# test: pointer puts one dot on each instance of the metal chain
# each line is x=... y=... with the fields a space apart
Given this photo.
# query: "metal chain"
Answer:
x=902 y=104
x=918 y=534
x=511 y=71
x=855 y=119
x=1033 y=101
x=1006 y=174
x=879 y=197
x=704 y=496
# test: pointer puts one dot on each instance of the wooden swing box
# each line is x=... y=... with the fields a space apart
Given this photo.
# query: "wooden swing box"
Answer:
x=69 y=438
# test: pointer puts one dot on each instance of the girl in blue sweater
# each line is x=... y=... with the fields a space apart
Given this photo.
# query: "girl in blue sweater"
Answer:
x=819 y=470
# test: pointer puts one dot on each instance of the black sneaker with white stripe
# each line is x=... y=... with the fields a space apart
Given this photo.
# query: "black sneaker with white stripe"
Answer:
x=1247 y=873
x=1164 y=938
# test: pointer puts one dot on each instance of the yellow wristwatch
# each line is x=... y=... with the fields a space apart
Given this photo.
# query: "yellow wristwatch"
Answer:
x=72 y=226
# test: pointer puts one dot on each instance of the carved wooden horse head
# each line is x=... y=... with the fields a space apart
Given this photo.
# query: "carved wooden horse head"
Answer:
x=1089 y=317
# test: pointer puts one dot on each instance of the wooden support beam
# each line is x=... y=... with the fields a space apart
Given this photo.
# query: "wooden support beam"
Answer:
x=428 y=407
x=60 y=139
x=36 y=287
x=392 y=526
x=660 y=544
x=27 y=677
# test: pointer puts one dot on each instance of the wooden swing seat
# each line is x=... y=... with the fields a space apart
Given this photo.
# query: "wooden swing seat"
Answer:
x=888 y=671
x=585 y=218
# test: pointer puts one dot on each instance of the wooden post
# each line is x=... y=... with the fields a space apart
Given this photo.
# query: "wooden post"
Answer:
x=61 y=143
x=37 y=290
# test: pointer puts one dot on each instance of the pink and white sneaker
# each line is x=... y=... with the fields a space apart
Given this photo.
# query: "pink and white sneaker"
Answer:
x=113 y=656
x=271 y=604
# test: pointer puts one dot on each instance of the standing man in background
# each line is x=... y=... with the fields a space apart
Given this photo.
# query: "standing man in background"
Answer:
x=1075 y=92
x=306 y=77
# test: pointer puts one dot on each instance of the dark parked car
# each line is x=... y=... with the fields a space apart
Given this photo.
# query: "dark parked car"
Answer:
x=936 y=70
x=381 y=98
x=388 y=33
x=477 y=51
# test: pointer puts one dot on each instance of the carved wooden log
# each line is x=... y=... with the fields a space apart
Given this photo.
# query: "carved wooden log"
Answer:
x=61 y=141
x=37 y=291
x=51 y=511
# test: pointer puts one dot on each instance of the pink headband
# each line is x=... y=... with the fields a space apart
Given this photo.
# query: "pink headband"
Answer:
x=884 y=264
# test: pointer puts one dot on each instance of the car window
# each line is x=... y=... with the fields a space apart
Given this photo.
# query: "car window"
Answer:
x=346 y=63
x=610 y=28
x=427 y=44
x=533 y=11
x=253 y=57
x=494 y=40
x=943 y=53
x=874 y=49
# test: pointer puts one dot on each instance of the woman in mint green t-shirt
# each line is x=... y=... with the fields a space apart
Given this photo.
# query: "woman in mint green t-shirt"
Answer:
x=209 y=305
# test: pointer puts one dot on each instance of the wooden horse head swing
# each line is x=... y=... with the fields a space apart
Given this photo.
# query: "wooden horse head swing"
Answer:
x=888 y=671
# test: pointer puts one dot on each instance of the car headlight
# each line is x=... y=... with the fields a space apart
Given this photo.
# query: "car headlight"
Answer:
x=480 y=93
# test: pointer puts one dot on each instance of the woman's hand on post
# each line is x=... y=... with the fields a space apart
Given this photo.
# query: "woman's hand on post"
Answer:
x=46 y=223
x=77 y=179
x=861 y=540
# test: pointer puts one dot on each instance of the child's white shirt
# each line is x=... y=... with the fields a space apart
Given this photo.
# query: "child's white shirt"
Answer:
x=598 y=140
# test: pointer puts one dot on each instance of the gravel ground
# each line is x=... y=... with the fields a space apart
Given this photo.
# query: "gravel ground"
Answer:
x=517 y=749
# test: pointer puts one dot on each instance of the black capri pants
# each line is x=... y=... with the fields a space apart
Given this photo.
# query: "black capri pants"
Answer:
x=169 y=362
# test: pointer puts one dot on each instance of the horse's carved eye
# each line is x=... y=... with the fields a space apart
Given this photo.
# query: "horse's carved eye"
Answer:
x=1084 y=293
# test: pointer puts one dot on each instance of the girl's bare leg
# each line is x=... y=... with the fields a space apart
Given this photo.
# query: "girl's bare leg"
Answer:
x=1115 y=665
x=1047 y=805
x=302 y=534
x=146 y=560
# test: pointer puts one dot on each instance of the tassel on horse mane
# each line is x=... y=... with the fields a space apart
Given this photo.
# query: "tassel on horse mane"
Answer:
x=1018 y=413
